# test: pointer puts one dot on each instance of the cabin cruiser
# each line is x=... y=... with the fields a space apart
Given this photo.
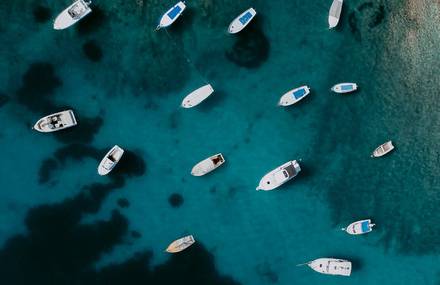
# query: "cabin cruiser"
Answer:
x=359 y=227
x=279 y=176
x=383 y=149
x=294 y=96
x=56 y=122
x=197 y=96
x=72 y=14
x=242 y=21
x=180 y=244
x=331 y=266
x=171 y=15
x=207 y=165
x=110 y=160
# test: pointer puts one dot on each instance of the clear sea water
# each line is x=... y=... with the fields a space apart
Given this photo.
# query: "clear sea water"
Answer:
x=60 y=223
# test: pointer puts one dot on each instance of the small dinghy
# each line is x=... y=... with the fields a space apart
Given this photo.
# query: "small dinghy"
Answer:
x=180 y=244
x=294 y=96
x=207 y=165
x=359 y=227
x=334 y=13
x=72 y=14
x=279 y=176
x=345 y=87
x=383 y=149
x=330 y=266
x=171 y=15
x=242 y=21
x=110 y=160
x=197 y=96
x=56 y=122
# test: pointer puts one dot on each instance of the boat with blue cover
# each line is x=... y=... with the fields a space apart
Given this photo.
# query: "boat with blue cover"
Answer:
x=242 y=21
x=171 y=15
x=359 y=227
x=294 y=96
x=72 y=14
x=346 y=87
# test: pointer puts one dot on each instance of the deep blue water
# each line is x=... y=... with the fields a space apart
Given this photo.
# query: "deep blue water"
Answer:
x=60 y=223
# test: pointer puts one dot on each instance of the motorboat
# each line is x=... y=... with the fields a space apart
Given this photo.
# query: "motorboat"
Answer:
x=279 y=176
x=345 y=87
x=242 y=21
x=180 y=244
x=110 y=160
x=171 y=15
x=197 y=96
x=330 y=266
x=294 y=96
x=72 y=14
x=383 y=149
x=56 y=122
x=359 y=227
x=207 y=165
x=334 y=13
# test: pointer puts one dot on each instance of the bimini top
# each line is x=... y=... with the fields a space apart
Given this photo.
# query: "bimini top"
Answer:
x=72 y=14
x=171 y=15
x=242 y=21
x=293 y=96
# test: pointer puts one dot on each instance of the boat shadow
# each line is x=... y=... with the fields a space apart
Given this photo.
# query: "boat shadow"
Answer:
x=131 y=164
x=182 y=23
x=212 y=101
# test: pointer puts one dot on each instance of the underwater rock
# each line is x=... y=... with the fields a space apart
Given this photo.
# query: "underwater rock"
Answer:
x=92 y=51
x=378 y=17
x=42 y=14
x=46 y=168
x=136 y=234
x=84 y=132
x=3 y=99
x=123 y=203
x=175 y=200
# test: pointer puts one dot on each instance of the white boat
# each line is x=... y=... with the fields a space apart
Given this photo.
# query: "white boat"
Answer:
x=359 y=227
x=56 y=122
x=334 y=13
x=110 y=160
x=171 y=15
x=346 y=87
x=207 y=165
x=242 y=21
x=294 y=96
x=383 y=149
x=279 y=176
x=180 y=244
x=331 y=266
x=197 y=96
x=72 y=14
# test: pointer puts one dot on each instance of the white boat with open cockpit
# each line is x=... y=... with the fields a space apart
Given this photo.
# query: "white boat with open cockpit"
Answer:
x=383 y=149
x=279 y=176
x=346 y=87
x=242 y=21
x=294 y=96
x=334 y=13
x=197 y=96
x=330 y=266
x=359 y=227
x=72 y=14
x=56 y=122
x=180 y=244
x=110 y=160
x=171 y=15
x=207 y=165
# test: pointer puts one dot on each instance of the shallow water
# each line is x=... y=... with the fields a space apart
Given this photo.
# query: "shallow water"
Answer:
x=60 y=222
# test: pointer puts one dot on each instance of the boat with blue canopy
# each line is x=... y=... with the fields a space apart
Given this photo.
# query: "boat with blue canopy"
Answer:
x=294 y=96
x=242 y=21
x=359 y=227
x=346 y=87
x=171 y=15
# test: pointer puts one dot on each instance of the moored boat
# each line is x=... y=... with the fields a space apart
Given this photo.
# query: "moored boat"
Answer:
x=344 y=87
x=72 y=14
x=197 y=96
x=171 y=15
x=330 y=266
x=359 y=227
x=279 y=176
x=180 y=244
x=294 y=96
x=207 y=165
x=56 y=122
x=334 y=13
x=383 y=149
x=242 y=21
x=110 y=160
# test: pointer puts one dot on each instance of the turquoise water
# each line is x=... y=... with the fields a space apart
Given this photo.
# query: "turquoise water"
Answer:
x=60 y=223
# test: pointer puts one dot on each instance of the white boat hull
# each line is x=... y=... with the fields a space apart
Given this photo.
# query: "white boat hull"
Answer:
x=180 y=244
x=331 y=266
x=334 y=13
x=359 y=227
x=346 y=87
x=197 y=96
x=242 y=21
x=110 y=160
x=207 y=165
x=383 y=149
x=171 y=15
x=294 y=96
x=279 y=176
x=56 y=122
x=72 y=14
